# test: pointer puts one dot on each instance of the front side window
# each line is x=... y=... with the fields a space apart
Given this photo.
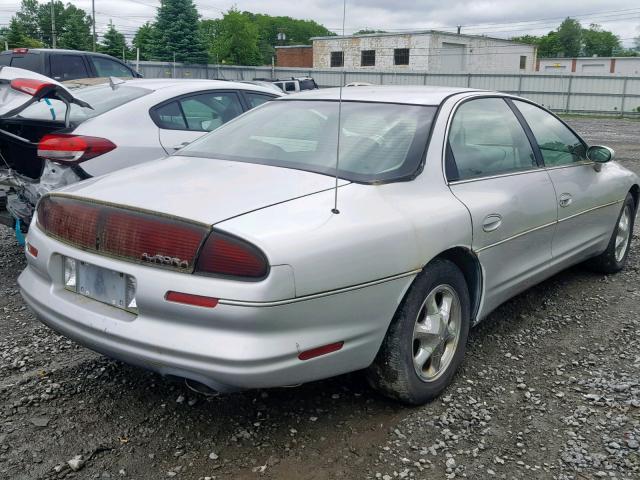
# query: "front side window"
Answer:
x=378 y=141
x=110 y=68
x=558 y=145
x=337 y=59
x=368 y=58
x=290 y=87
x=401 y=56
x=486 y=138
x=68 y=67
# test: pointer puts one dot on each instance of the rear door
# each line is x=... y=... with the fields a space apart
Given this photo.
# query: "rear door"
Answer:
x=588 y=195
x=492 y=168
x=184 y=119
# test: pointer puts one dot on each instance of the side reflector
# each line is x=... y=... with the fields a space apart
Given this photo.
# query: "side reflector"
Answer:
x=316 y=352
x=32 y=250
x=189 y=299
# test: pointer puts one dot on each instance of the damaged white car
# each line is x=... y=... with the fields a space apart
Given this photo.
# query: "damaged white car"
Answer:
x=51 y=136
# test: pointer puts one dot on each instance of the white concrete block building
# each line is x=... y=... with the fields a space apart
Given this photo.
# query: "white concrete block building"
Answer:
x=424 y=51
x=623 y=66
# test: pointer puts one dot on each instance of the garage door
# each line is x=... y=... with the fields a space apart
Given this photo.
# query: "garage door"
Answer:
x=453 y=57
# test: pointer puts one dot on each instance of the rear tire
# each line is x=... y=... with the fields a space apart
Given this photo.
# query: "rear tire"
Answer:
x=426 y=340
x=614 y=258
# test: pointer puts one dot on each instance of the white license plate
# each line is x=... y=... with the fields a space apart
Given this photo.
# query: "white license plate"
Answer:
x=100 y=284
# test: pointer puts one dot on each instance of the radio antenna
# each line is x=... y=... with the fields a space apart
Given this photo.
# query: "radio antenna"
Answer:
x=342 y=79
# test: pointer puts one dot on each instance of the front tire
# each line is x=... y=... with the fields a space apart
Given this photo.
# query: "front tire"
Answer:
x=614 y=258
x=426 y=340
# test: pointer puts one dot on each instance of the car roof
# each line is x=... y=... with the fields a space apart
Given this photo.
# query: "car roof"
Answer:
x=58 y=50
x=410 y=94
x=177 y=86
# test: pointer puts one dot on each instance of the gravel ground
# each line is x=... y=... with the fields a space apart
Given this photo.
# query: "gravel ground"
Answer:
x=550 y=388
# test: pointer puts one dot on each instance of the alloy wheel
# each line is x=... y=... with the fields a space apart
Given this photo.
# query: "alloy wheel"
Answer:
x=436 y=333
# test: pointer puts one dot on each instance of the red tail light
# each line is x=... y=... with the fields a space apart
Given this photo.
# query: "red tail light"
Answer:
x=72 y=148
x=223 y=254
x=30 y=86
x=69 y=220
x=131 y=235
x=20 y=50
x=152 y=239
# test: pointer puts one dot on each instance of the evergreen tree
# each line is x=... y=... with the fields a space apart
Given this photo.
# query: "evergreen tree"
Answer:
x=113 y=42
x=177 y=33
x=16 y=36
x=144 y=38
x=28 y=18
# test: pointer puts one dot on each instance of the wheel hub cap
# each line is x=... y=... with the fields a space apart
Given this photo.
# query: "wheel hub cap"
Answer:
x=623 y=233
x=436 y=332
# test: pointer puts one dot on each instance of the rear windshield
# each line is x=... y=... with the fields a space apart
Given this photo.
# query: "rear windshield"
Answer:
x=101 y=97
x=378 y=141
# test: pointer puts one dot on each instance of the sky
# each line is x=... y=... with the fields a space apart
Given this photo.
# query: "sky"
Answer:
x=500 y=18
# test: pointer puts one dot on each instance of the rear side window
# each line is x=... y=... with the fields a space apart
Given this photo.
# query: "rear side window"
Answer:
x=30 y=61
x=106 y=67
x=68 y=67
x=170 y=116
x=256 y=99
x=5 y=59
x=290 y=87
x=486 y=138
x=202 y=113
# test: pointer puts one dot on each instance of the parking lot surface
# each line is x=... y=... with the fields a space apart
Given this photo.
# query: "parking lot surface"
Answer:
x=550 y=388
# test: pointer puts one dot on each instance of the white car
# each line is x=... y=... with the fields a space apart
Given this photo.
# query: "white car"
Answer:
x=105 y=127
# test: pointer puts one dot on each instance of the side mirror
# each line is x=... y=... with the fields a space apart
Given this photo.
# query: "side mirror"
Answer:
x=600 y=154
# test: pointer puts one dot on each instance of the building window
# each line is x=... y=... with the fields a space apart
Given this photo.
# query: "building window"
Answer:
x=523 y=62
x=337 y=59
x=368 y=58
x=401 y=56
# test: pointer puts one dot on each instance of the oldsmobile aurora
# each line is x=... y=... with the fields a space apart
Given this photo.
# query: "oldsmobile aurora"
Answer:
x=229 y=265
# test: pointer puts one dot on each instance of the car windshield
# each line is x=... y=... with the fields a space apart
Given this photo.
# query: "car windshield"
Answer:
x=378 y=141
x=101 y=97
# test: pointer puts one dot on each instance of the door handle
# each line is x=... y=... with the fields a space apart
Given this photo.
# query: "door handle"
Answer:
x=180 y=145
x=565 y=200
x=491 y=222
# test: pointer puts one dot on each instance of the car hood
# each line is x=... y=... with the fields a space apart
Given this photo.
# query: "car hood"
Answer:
x=201 y=189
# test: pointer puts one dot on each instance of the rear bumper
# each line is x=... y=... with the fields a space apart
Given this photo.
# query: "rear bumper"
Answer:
x=227 y=347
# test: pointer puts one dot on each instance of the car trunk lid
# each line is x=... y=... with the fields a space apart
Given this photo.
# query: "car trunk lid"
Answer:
x=203 y=190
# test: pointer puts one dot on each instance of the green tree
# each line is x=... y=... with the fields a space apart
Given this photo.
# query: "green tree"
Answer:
x=27 y=16
x=16 y=36
x=527 y=39
x=570 y=37
x=235 y=39
x=366 y=31
x=597 y=41
x=75 y=31
x=143 y=39
x=113 y=42
x=177 y=33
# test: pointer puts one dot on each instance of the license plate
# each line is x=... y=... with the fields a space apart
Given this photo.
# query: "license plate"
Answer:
x=101 y=284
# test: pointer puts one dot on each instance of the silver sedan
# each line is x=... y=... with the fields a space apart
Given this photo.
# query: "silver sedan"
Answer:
x=242 y=262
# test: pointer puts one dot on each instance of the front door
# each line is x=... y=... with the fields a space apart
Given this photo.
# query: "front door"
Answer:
x=587 y=194
x=492 y=169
